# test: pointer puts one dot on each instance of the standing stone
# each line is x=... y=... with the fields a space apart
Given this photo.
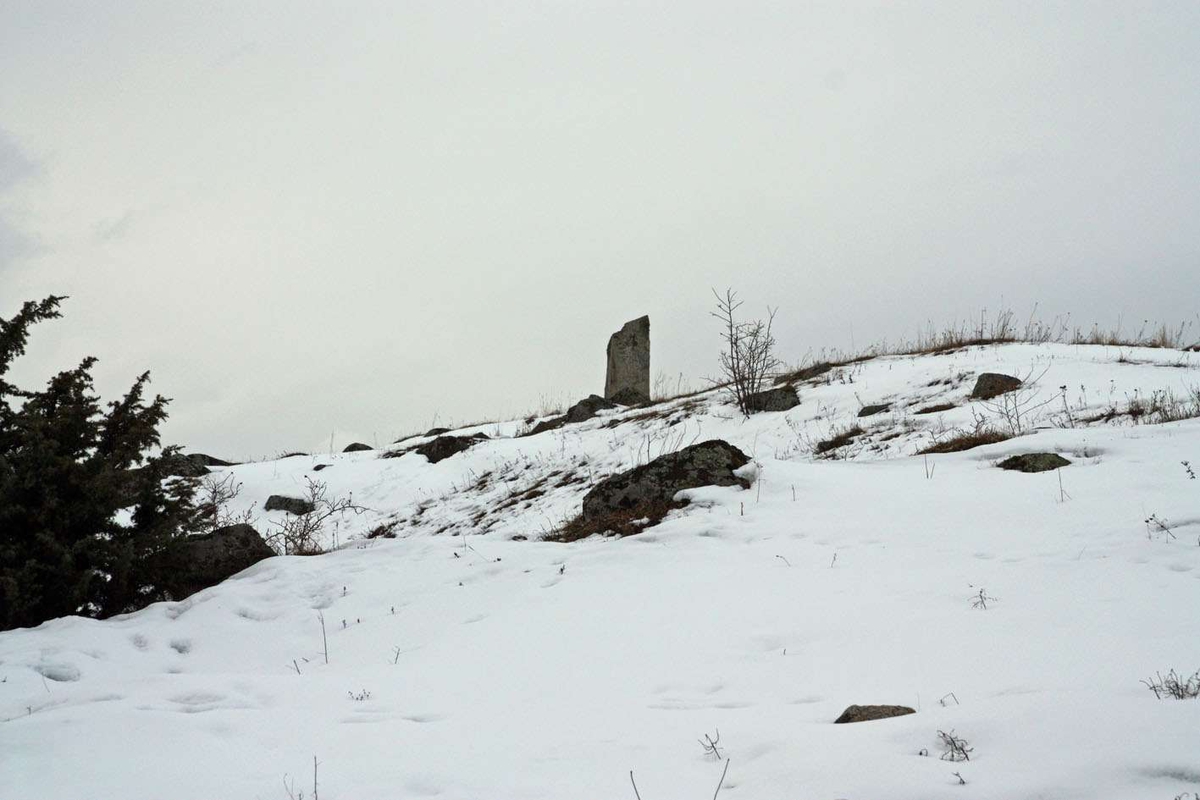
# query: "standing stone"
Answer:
x=629 y=360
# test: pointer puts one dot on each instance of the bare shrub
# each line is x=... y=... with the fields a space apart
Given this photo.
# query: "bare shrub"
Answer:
x=956 y=747
x=212 y=498
x=1174 y=685
x=300 y=534
x=748 y=358
x=709 y=743
x=1018 y=409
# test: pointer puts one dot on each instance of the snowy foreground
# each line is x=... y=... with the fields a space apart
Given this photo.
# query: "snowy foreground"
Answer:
x=483 y=666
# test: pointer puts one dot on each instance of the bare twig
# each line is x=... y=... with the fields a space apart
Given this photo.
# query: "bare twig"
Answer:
x=710 y=744
x=722 y=781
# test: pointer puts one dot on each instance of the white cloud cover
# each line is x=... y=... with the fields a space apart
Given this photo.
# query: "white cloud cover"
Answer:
x=305 y=218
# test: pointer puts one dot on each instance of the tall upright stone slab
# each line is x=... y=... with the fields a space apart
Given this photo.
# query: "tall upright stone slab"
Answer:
x=629 y=362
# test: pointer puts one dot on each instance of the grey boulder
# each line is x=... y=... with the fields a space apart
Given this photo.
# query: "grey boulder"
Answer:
x=710 y=463
x=292 y=505
x=586 y=409
x=199 y=562
x=872 y=410
x=443 y=447
x=1034 y=462
x=356 y=447
x=780 y=399
x=993 y=384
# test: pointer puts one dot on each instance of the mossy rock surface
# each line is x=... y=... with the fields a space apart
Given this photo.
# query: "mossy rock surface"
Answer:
x=1034 y=462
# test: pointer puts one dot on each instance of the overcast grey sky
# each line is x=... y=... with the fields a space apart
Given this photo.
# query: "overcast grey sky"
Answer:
x=308 y=218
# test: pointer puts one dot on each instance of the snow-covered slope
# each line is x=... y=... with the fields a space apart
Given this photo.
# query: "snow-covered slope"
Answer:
x=466 y=659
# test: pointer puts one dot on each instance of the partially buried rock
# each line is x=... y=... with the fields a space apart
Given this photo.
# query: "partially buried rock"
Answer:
x=710 y=463
x=552 y=424
x=780 y=399
x=586 y=409
x=356 y=447
x=872 y=410
x=868 y=713
x=993 y=384
x=191 y=465
x=292 y=505
x=436 y=431
x=443 y=447
x=199 y=562
x=1034 y=462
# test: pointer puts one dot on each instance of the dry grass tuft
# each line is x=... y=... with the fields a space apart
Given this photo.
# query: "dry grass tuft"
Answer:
x=827 y=447
x=966 y=440
x=625 y=522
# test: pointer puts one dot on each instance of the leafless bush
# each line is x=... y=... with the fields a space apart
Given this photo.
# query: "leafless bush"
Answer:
x=957 y=748
x=289 y=787
x=710 y=743
x=1018 y=409
x=1174 y=685
x=748 y=357
x=1157 y=525
x=981 y=601
x=300 y=534
x=212 y=499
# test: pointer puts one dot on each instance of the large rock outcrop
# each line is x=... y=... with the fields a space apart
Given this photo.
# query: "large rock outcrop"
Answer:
x=629 y=360
x=710 y=463
x=199 y=562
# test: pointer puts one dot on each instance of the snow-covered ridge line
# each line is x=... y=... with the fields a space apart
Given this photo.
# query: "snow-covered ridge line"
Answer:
x=524 y=486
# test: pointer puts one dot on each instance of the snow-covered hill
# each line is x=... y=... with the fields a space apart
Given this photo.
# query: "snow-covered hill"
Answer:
x=467 y=659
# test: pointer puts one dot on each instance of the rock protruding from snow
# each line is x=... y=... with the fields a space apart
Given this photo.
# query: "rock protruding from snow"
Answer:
x=443 y=447
x=629 y=360
x=292 y=505
x=357 y=447
x=202 y=561
x=191 y=465
x=1034 y=462
x=868 y=713
x=780 y=399
x=710 y=463
x=992 y=384
x=586 y=409
x=873 y=409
